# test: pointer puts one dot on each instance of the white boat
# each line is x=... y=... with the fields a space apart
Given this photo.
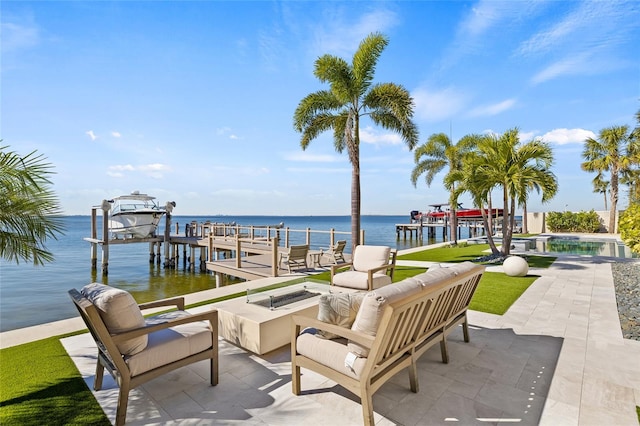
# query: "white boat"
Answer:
x=136 y=215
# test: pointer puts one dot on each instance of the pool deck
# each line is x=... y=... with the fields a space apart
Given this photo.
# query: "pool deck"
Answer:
x=557 y=357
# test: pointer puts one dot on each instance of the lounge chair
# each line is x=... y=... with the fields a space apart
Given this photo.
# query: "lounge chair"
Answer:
x=335 y=253
x=134 y=349
x=372 y=267
x=295 y=256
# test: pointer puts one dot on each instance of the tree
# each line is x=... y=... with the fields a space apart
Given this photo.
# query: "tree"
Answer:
x=29 y=210
x=352 y=96
x=432 y=157
x=601 y=186
x=502 y=162
x=612 y=152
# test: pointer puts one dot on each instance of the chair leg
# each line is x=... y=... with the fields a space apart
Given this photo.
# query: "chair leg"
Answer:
x=367 y=408
x=295 y=379
x=465 y=329
x=413 y=377
x=214 y=372
x=97 y=383
x=444 y=350
x=123 y=401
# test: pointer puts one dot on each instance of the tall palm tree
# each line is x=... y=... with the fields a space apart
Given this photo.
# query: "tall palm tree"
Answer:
x=515 y=168
x=611 y=152
x=29 y=210
x=432 y=157
x=351 y=96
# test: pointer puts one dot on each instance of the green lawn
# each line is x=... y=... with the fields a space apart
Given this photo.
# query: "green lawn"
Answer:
x=38 y=380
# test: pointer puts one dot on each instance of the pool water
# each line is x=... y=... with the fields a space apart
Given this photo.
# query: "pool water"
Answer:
x=586 y=246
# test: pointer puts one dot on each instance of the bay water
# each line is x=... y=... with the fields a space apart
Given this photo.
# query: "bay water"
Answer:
x=32 y=295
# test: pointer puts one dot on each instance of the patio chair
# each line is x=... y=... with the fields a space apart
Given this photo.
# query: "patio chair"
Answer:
x=295 y=256
x=335 y=253
x=136 y=350
x=371 y=268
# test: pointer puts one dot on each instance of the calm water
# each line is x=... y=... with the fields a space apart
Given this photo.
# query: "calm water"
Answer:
x=31 y=295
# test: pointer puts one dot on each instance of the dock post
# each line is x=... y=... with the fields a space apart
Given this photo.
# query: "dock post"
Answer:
x=152 y=255
x=94 y=236
x=274 y=258
x=105 y=237
x=167 y=240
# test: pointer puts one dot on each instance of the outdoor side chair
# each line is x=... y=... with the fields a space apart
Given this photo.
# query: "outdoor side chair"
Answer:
x=135 y=350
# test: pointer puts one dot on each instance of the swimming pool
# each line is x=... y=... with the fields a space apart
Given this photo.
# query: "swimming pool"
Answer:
x=584 y=246
x=568 y=244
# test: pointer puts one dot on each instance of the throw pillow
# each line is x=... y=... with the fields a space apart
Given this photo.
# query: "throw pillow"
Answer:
x=339 y=309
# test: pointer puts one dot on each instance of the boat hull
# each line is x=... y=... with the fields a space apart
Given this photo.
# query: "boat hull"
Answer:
x=140 y=224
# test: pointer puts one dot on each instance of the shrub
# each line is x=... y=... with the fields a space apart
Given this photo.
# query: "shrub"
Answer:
x=573 y=222
x=629 y=227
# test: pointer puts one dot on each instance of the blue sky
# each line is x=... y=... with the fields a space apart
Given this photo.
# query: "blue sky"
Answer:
x=194 y=101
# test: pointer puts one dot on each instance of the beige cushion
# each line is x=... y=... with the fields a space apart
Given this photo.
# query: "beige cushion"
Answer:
x=339 y=309
x=358 y=280
x=120 y=312
x=437 y=274
x=331 y=353
x=370 y=257
x=370 y=313
x=171 y=344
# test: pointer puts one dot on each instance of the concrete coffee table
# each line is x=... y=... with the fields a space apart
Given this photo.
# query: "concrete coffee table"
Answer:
x=259 y=323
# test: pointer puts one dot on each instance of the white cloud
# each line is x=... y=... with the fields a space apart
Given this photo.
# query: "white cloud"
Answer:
x=370 y=136
x=438 y=105
x=493 y=109
x=16 y=36
x=572 y=65
x=527 y=136
x=567 y=136
x=91 y=135
x=116 y=134
x=155 y=170
x=227 y=131
x=343 y=35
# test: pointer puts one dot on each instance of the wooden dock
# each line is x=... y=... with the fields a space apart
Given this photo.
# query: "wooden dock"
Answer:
x=417 y=228
x=247 y=252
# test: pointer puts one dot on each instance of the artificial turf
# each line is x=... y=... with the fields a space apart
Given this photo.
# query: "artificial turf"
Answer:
x=40 y=384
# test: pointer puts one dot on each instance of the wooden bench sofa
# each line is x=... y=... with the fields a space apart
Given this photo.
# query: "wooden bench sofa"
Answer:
x=394 y=325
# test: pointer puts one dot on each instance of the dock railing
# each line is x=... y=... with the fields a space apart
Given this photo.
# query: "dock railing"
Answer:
x=239 y=239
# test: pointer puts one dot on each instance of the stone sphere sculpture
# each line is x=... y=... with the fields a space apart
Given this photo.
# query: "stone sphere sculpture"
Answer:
x=515 y=266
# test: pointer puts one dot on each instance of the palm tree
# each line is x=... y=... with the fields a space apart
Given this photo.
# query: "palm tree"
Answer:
x=28 y=208
x=352 y=95
x=601 y=186
x=516 y=168
x=432 y=157
x=611 y=152
x=468 y=179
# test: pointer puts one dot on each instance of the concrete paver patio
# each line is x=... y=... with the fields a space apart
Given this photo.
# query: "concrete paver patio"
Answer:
x=557 y=357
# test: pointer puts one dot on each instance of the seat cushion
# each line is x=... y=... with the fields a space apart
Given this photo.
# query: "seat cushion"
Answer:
x=339 y=309
x=370 y=257
x=171 y=344
x=358 y=280
x=119 y=312
x=330 y=353
x=373 y=305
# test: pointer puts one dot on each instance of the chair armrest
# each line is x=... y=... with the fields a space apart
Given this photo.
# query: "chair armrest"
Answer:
x=300 y=322
x=211 y=316
x=178 y=302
